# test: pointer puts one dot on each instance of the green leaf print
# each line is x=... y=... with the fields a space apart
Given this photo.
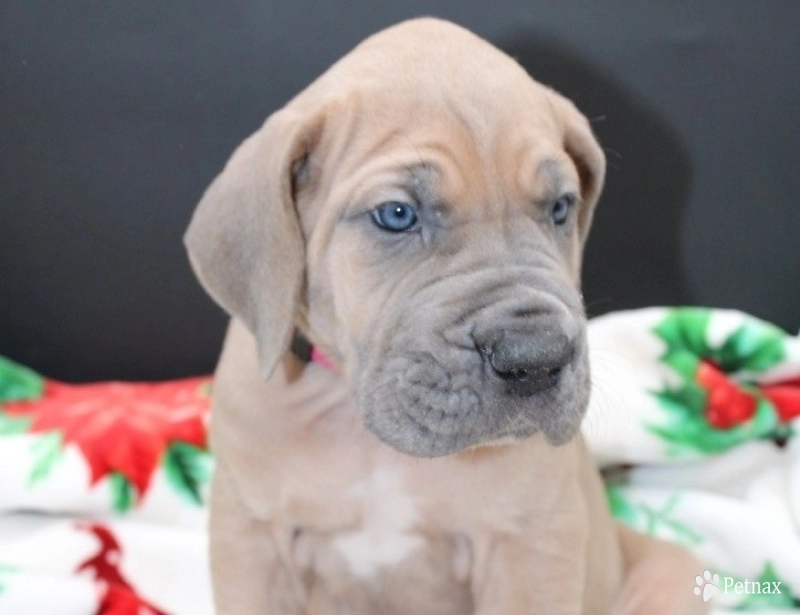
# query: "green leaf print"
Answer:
x=762 y=600
x=13 y=425
x=754 y=347
x=188 y=469
x=688 y=432
x=123 y=493
x=712 y=409
x=621 y=508
x=18 y=383
x=651 y=520
x=47 y=449
x=684 y=331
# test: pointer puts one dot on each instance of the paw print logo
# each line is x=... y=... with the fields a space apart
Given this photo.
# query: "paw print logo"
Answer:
x=705 y=585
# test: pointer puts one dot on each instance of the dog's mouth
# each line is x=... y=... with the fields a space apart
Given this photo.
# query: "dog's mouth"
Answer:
x=427 y=407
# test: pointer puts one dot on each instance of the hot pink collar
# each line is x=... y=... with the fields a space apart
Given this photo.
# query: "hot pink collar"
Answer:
x=318 y=357
x=308 y=353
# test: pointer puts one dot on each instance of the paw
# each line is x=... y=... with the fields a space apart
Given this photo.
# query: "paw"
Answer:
x=666 y=585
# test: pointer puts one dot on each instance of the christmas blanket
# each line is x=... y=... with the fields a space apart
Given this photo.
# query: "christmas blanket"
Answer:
x=693 y=419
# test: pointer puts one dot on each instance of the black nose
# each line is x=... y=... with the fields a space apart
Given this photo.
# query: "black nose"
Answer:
x=528 y=362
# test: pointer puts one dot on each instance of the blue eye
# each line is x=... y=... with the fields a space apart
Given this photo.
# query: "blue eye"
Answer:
x=395 y=217
x=560 y=211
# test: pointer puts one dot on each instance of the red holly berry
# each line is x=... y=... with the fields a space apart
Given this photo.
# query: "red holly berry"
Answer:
x=727 y=405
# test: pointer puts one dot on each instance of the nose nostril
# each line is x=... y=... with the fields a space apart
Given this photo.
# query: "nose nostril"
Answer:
x=516 y=375
x=554 y=375
x=528 y=363
x=528 y=312
x=513 y=374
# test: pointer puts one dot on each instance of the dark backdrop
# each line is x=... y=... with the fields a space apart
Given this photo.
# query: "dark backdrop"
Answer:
x=115 y=115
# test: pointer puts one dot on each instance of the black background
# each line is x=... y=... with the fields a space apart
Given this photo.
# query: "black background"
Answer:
x=115 y=115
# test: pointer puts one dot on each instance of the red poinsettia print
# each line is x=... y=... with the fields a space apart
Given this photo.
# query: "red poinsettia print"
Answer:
x=121 y=427
x=118 y=597
x=785 y=396
x=727 y=404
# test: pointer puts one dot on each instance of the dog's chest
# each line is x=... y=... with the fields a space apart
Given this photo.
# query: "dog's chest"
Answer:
x=369 y=566
x=369 y=523
x=387 y=534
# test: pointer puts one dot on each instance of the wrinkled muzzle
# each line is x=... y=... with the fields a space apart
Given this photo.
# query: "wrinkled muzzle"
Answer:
x=501 y=355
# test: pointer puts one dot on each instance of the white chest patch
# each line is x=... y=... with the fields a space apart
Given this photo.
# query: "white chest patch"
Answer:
x=385 y=537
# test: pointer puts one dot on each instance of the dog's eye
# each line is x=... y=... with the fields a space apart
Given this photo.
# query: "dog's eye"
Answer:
x=395 y=217
x=561 y=208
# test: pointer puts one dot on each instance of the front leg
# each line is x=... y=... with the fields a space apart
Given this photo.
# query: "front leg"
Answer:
x=247 y=572
x=659 y=577
x=532 y=575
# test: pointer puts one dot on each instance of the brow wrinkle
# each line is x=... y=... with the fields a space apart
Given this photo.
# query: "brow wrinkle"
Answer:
x=421 y=178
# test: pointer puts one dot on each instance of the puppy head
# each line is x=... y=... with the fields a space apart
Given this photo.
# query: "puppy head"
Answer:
x=420 y=211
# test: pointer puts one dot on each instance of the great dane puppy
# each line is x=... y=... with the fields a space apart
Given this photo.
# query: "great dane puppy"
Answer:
x=418 y=213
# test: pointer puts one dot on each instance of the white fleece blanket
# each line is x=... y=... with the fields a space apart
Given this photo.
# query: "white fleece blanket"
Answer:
x=693 y=418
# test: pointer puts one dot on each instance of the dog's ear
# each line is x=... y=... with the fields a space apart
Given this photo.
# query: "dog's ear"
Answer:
x=587 y=156
x=245 y=242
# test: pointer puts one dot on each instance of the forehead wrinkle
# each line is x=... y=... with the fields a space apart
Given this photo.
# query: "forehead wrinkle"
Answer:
x=478 y=119
x=437 y=173
x=380 y=145
x=550 y=171
x=386 y=168
x=561 y=174
x=550 y=167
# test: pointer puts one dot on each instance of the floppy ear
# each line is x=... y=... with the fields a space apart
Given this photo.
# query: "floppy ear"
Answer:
x=587 y=156
x=244 y=240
